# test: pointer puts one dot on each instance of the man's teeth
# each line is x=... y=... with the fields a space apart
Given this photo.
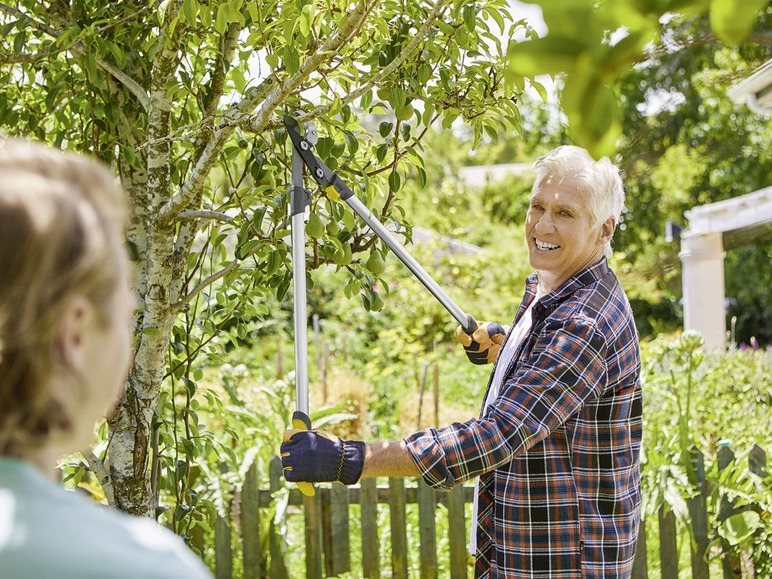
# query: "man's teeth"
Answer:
x=545 y=245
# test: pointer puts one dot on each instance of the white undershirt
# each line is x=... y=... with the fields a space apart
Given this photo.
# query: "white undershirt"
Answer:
x=508 y=350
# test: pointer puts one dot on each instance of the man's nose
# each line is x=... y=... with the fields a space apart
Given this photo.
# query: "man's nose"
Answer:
x=545 y=224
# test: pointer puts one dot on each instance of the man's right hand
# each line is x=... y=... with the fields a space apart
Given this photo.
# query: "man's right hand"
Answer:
x=483 y=346
x=320 y=456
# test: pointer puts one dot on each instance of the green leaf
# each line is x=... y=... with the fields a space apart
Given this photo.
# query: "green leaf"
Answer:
x=470 y=16
x=620 y=56
x=733 y=20
x=396 y=97
x=740 y=526
x=291 y=59
x=306 y=19
x=366 y=99
x=404 y=113
x=421 y=173
x=550 y=55
x=492 y=133
x=424 y=73
x=190 y=10
x=272 y=60
x=380 y=152
x=541 y=90
x=395 y=182
x=89 y=62
x=221 y=19
x=385 y=128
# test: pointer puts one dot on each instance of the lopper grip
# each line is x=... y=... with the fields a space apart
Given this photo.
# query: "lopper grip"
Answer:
x=470 y=325
x=301 y=421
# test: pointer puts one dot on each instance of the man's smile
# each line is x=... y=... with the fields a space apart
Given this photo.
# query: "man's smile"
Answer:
x=544 y=246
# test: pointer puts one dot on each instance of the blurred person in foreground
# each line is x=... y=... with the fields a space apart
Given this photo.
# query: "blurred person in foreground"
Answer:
x=556 y=446
x=65 y=347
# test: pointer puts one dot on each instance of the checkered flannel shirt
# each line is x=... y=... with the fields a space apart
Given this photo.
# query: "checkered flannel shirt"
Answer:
x=558 y=451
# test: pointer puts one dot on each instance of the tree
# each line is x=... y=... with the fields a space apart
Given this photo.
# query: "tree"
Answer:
x=184 y=99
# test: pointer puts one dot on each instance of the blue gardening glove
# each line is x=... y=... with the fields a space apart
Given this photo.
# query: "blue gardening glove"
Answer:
x=320 y=456
x=484 y=344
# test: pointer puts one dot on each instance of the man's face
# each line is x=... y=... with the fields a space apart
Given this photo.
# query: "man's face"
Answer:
x=562 y=237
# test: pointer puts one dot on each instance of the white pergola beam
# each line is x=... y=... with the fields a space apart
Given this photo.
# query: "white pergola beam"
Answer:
x=722 y=216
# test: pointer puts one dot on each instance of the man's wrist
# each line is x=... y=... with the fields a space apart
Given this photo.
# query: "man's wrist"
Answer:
x=352 y=460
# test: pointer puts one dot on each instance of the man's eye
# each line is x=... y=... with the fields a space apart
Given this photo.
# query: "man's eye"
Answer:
x=565 y=213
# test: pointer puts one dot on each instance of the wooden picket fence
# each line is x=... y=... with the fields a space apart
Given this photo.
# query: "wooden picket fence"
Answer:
x=732 y=565
x=327 y=534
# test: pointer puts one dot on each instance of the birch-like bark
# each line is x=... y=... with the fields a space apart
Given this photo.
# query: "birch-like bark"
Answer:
x=130 y=425
x=188 y=227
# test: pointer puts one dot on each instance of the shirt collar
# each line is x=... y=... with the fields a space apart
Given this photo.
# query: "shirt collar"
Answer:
x=581 y=279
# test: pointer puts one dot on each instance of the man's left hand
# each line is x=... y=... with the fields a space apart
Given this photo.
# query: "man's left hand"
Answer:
x=483 y=346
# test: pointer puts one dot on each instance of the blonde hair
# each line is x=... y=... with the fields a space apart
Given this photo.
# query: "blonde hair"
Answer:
x=599 y=180
x=62 y=219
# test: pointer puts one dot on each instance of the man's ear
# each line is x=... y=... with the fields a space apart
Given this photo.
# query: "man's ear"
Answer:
x=607 y=229
x=72 y=331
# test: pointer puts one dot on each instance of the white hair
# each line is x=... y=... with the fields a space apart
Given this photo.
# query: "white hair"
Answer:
x=599 y=179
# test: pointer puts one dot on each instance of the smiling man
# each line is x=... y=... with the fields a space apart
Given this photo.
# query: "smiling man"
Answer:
x=556 y=448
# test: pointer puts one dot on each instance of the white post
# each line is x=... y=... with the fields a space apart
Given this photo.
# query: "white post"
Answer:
x=702 y=259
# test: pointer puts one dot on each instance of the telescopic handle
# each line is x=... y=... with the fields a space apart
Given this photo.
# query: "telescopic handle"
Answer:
x=468 y=323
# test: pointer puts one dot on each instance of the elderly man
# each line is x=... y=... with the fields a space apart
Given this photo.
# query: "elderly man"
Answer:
x=557 y=444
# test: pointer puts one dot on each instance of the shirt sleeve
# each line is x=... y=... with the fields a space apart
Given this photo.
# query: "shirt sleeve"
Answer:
x=565 y=368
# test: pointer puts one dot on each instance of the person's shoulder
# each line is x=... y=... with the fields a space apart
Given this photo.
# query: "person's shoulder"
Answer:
x=76 y=537
x=149 y=550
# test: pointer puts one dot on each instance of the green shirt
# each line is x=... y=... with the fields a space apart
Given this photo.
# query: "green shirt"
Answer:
x=49 y=532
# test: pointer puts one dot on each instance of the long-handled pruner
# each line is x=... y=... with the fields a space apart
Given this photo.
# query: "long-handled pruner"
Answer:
x=299 y=200
x=336 y=188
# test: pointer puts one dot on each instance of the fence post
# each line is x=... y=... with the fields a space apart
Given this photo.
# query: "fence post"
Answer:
x=278 y=565
x=223 y=553
x=427 y=530
x=457 y=532
x=223 y=556
x=757 y=464
x=398 y=520
x=699 y=515
x=730 y=562
x=640 y=563
x=668 y=547
x=340 y=552
x=757 y=461
x=368 y=503
x=250 y=524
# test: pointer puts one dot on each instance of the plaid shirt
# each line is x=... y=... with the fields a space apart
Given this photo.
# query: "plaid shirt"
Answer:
x=558 y=451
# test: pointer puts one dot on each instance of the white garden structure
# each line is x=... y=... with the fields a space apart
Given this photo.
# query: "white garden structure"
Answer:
x=702 y=249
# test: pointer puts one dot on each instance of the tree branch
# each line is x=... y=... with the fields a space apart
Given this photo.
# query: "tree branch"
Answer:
x=96 y=466
x=204 y=283
x=216 y=215
x=439 y=7
x=271 y=96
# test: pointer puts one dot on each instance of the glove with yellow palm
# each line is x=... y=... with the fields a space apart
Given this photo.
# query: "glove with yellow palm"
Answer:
x=320 y=456
x=484 y=344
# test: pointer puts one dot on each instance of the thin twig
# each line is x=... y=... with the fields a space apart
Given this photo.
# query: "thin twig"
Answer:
x=103 y=476
x=206 y=282
x=203 y=214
